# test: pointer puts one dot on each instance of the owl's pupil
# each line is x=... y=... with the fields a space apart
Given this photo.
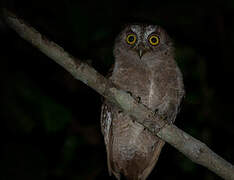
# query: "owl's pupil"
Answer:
x=153 y=40
x=131 y=39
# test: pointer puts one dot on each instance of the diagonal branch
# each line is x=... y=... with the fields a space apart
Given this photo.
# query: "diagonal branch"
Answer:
x=194 y=149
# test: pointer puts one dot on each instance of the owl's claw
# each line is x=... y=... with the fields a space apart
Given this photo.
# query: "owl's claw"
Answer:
x=164 y=117
x=155 y=112
x=129 y=92
x=137 y=98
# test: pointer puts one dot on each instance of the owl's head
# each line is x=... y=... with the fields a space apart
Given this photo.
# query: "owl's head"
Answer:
x=143 y=42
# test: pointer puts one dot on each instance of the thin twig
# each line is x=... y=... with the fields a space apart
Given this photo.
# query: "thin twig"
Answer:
x=194 y=149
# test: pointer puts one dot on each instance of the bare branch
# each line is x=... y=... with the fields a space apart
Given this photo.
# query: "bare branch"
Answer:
x=195 y=150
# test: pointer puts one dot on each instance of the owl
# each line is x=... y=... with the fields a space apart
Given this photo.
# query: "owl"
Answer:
x=145 y=66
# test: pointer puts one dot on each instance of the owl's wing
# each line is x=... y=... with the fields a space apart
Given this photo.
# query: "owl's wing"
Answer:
x=158 y=147
x=173 y=93
x=106 y=120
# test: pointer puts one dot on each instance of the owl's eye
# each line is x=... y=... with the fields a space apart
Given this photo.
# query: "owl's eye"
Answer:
x=154 y=40
x=131 y=39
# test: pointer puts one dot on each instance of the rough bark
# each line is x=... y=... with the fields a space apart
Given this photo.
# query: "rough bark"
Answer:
x=194 y=149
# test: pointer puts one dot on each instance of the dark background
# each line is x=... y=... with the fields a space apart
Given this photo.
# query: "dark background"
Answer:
x=50 y=121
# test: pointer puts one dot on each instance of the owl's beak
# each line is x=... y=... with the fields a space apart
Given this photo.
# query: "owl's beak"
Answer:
x=140 y=52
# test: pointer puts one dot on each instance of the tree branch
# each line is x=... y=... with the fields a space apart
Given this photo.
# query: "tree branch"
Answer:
x=194 y=149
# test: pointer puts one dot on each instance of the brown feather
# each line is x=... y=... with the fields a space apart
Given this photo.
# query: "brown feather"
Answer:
x=132 y=150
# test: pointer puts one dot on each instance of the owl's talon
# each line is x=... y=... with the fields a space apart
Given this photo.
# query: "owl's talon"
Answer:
x=130 y=93
x=155 y=112
x=138 y=99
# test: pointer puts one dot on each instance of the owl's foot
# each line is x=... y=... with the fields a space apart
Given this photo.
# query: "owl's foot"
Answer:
x=129 y=92
x=163 y=116
x=137 y=98
x=167 y=111
x=156 y=112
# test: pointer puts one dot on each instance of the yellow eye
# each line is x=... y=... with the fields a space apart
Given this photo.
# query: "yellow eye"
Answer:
x=154 y=40
x=131 y=39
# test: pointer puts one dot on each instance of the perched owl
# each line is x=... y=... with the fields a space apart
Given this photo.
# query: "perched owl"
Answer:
x=145 y=66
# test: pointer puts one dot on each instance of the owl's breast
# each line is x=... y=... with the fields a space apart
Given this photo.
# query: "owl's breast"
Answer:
x=140 y=82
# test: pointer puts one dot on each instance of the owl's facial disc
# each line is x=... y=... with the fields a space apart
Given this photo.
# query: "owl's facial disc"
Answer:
x=143 y=39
